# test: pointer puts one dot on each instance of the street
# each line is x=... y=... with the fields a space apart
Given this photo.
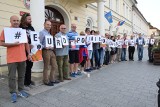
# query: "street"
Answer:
x=124 y=84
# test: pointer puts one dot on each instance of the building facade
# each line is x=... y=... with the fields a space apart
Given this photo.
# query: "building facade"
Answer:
x=84 y=13
x=140 y=25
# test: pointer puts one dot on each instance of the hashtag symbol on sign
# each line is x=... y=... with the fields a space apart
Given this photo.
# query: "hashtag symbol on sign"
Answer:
x=17 y=35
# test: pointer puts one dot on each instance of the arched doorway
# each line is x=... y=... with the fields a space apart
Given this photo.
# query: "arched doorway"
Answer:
x=56 y=18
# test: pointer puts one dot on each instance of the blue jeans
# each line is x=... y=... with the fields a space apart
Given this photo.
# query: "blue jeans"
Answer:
x=123 y=55
x=96 y=57
x=101 y=55
x=140 y=52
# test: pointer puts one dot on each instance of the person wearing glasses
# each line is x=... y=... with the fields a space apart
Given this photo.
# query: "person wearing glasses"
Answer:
x=62 y=56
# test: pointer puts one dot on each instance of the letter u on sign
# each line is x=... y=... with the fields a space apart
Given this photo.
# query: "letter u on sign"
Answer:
x=49 y=41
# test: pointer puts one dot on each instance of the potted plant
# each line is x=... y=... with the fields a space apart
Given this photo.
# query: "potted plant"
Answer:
x=156 y=53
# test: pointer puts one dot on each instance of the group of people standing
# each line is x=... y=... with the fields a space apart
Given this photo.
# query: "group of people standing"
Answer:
x=65 y=60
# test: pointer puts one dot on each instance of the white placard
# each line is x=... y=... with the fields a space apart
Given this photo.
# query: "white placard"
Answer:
x=147 y=41
x=49 y=41
x=110 y=42
x=64 y=41
x=13 y=35
x=103 y=40
x=132 y=42
x=152 y=41
x=80 y=40
x=140 y=42
x=119 y=42
x=89 y=38
x=34 y=37
x=58 y=42
x=114 y=44
x=126 y=42
x=96 y=39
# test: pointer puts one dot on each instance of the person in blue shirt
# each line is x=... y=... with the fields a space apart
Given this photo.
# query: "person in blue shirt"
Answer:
x=73 y=51
x=140 y=42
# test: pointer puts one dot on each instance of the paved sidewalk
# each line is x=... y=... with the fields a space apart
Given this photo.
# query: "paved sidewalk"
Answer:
x=125 y=84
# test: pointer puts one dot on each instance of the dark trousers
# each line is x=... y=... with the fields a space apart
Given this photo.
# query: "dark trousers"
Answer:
x=150 y=54
x=96 y=58
x=27 y=80
x=107 y=57
x=131 y=50
x=84 y=61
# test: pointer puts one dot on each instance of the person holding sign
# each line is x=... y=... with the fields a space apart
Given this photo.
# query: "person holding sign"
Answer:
x=113 y=50
x=73 y=52
x=83 y=54
x=140 y=42
x=89 y=48
x=150 y=47
x=96 y=47
x=16 y=59
x=48 y=55
x=119 y=48
x=107 y=50
x=25 y=23
x=62 y=56
x=124 y=47
x=131 y=48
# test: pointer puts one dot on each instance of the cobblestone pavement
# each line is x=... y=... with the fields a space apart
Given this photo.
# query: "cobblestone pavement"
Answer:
x=124 y=84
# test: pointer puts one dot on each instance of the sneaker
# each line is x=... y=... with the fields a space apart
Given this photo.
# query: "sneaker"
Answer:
x=78 y=73
x=31 y=86
x=72 y=75
x=49 y=84
x=23 y=94
x=87 y=70
x=55 y=81
x=32 y=83
x=27 y=88
x=13 y=97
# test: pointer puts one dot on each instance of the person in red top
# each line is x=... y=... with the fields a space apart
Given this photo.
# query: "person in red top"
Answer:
x=16 y=57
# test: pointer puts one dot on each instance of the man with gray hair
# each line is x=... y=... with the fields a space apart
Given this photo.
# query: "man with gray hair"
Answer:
x=62 y=56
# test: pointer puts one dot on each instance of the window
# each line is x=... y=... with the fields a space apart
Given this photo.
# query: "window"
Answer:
x=117 y=6
x=89 y=23
x=110 y=4
x=124 y=10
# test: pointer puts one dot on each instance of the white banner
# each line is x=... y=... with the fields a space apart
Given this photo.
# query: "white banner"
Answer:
x=49 y=41
x=34 y=37
x=80 y=40
x=13 y=35
x=65 y=41
x=58 y=42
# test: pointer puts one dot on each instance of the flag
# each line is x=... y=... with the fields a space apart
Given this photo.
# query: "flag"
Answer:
x=120 y=23
x=108 y=16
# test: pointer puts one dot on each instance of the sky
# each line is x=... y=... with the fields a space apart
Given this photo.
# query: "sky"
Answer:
x=150 y=10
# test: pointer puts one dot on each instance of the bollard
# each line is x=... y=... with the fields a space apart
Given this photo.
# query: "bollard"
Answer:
x=158 y=97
